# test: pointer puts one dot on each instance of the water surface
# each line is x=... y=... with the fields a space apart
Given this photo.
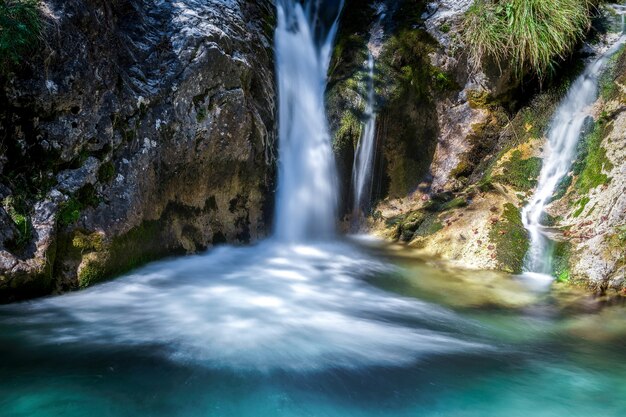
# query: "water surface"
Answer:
x=341 y=329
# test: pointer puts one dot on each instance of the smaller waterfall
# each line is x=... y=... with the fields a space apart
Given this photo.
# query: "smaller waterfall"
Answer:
x=366 y=149
x=563 y=136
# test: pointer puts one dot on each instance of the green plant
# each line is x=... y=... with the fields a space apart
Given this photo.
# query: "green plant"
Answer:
x=21 y=220
x=529 y=34
x=20 y=28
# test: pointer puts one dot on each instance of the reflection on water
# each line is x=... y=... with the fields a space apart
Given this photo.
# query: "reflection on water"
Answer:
x=324 y=330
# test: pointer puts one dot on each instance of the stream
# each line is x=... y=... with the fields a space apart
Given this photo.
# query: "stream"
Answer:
x=349 y=328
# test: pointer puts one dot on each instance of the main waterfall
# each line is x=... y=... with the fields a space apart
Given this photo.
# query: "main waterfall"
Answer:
x=307 y=184
x=565 y=131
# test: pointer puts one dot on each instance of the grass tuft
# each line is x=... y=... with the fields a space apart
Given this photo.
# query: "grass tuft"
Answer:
x=531 y=35
x=20 y=29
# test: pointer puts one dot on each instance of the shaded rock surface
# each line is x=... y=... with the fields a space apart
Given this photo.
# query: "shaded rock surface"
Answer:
x=140 y=129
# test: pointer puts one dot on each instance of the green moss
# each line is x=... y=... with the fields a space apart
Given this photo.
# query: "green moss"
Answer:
x=69 y=211
x=592 y=161
x=429 y=226
x=349 y=131
x=91 y=273
x=561 y=255
x=410 y=224
x=106 y=172
x=480 y=99
x=510 y=239
x=608 y=80
x=520 y=173
x=443 y=81
x=445 y=203
x=87 y=242
x=201 y=114
x=581 y=204
x=103 y=260
x=529 y=123
x=445 y=28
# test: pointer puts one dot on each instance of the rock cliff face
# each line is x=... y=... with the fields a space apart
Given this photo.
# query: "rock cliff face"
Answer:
x=431 y=132
x=453 y=177
x=140 y=129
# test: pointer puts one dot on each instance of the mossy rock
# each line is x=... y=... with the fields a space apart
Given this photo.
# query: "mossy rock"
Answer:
x=561 y=254
x=592 y=162
x=429 y=226
x=510 y=239
x=520 y=173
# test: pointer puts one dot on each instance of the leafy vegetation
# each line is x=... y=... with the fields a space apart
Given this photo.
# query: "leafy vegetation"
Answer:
x=21 y=220
x=529 y=34
x=20 y=28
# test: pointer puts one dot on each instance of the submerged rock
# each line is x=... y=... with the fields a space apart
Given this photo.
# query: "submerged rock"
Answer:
x=147 y=124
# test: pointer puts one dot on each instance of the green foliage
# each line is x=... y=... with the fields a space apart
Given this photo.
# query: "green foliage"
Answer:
x=510 y=239
x=529 y=34
x=22 y=222
x=443 y=81
x=349 y=130
x=20 y=28
x=521 y=173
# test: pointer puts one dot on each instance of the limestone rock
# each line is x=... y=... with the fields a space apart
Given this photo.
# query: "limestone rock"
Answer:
x=136 y=113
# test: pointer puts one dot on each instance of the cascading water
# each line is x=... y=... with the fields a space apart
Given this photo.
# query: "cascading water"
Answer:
x=364 y=156
x=306 y=200
x=280 y=304
x=563 y=136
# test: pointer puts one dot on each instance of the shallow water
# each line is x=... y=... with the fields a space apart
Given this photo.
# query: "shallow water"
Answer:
x=341 y=329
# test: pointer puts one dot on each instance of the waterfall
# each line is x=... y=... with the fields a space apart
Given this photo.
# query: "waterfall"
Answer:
x=364 y=156
x=307 y=182
x=563 y=136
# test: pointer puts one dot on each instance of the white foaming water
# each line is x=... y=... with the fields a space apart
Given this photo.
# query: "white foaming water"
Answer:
x=263 y=308
x=365 y=153
x=306 y=199
x=565 y=131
